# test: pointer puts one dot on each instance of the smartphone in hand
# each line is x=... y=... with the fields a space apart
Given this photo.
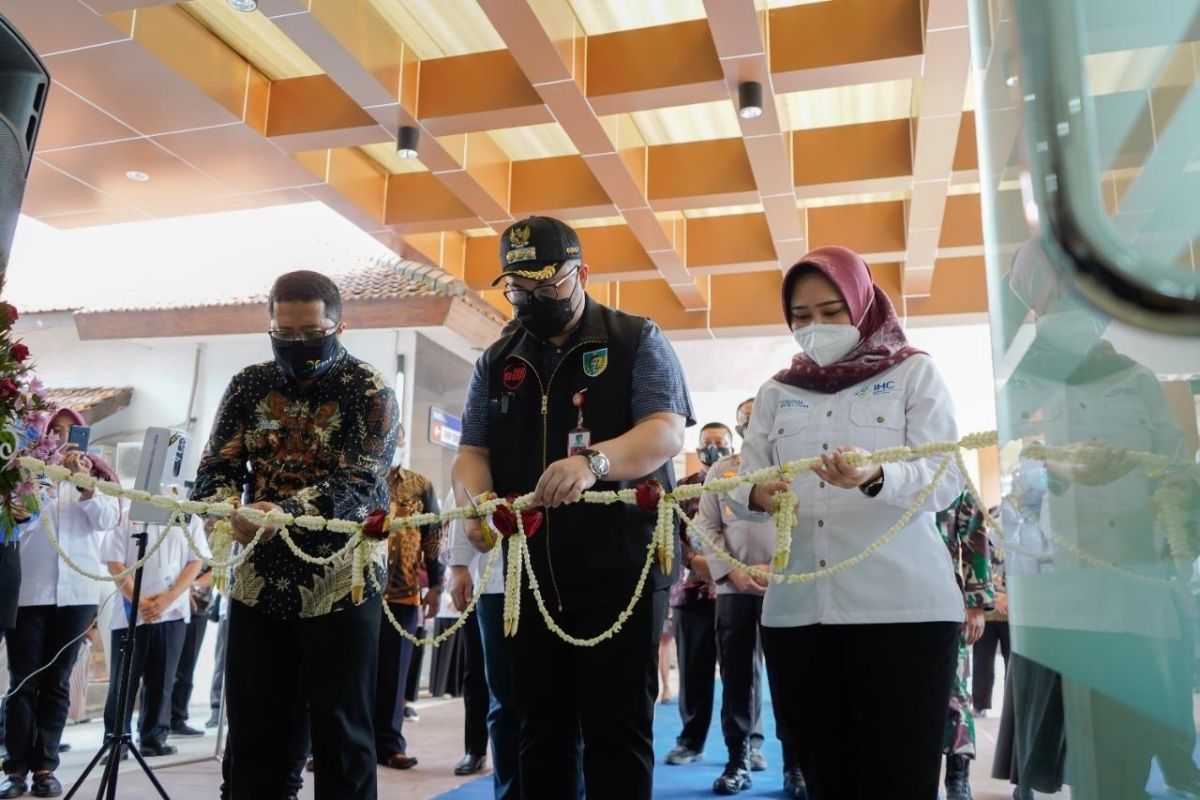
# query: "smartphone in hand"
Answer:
x=80 y=436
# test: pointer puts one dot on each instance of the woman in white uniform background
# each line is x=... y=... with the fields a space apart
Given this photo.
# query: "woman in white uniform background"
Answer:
x=871 y=649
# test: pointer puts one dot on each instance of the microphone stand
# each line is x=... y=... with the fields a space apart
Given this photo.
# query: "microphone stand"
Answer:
x=121 y=738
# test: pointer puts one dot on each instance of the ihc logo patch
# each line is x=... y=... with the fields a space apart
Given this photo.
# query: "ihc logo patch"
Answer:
x=595 y=362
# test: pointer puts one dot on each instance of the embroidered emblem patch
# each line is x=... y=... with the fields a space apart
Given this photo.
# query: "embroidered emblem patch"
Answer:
x=514 y=376
x=595 y=362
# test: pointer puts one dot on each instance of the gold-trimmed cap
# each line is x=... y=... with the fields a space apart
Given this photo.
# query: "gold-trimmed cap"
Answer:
x=536 y=247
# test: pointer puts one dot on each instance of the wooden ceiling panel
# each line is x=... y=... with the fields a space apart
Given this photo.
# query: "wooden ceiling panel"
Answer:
x=104 y=166
x=868 y=228
x=54 y=26
x=314 y=113
x=51 y=192
x=668 y=65
x=852 y=152
x=134 y=87
x=708 y=173
x=559 y=184
x=71 y=121
x=808 y=37
x=476 y=93
x=94 y=219
x=238 y=157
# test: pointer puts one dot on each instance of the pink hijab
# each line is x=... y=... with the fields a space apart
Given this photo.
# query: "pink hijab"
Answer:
x=883 y=344
x=100 y=470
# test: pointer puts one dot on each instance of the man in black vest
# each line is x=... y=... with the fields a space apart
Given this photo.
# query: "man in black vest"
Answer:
x=576 y=396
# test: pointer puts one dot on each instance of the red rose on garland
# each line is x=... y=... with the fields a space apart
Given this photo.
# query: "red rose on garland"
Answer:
x=649 y=494
x=19 y=352
x=8 y=388
x=375 y=525
x=8 y=314
x=505 y=521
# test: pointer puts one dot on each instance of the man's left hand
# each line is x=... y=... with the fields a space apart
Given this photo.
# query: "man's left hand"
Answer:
x=973 y=628
x=244 y=530
x=564 y=482
x=432 y=603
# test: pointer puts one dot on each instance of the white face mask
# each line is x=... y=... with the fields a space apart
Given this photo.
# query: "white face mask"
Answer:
x=826 y=344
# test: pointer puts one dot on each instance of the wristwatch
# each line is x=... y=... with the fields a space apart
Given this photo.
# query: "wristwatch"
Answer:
x=598 y=463
x=873 y=488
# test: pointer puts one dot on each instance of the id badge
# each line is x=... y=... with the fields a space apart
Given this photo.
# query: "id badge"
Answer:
x=578 y=440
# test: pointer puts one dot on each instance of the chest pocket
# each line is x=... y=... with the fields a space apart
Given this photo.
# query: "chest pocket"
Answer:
x=788 y=438
x=877 y=424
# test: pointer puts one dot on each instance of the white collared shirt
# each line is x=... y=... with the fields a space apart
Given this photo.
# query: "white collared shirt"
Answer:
x=910 y=579
x=460 y=552
x=162 y=568
x=79 y=525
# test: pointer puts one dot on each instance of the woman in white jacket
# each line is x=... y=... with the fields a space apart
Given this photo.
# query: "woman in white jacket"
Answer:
x=57 y=605
x=875 y=643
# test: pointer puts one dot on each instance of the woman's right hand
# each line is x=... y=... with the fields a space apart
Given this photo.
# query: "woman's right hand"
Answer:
x=762 y=496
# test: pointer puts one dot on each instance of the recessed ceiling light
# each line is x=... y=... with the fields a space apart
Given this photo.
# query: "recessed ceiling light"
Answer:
x=137 y=175
x=243 y=5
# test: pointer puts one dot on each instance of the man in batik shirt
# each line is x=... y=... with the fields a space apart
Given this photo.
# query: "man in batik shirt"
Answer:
x=311 y=432
x=963 y=528
x=411 y=494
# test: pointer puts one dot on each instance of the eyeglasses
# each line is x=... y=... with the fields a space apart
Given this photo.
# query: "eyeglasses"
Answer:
x=546 y=292
x=307 y=335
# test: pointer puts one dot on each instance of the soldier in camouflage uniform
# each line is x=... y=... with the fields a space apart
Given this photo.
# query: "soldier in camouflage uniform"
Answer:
x=962 y=528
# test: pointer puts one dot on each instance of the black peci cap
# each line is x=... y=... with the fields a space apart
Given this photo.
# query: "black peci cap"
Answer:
x=536 y=247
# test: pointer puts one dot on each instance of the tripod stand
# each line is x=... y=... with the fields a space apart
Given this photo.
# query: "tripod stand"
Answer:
x=121 y=738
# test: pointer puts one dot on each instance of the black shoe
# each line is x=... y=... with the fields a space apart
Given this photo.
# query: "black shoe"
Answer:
x=308 y=765
x=469 y=764
x=410 y=713
x=736 y=777
x=156 y=750
x=183 y=729
x=682 y=754
x=64 y=747
x=758 y=762
x=46 y=785
x=1021 y=793
x=958 y=777
x=213 y=721
x=794 y=785
x=13 y=786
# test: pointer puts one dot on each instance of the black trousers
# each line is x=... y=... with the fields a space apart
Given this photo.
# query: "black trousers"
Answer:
x=604 y=694
x=475 y=690
x=696 y=648
x=156 y=650
x=181 y=694
x=218 y=679
x=983 y=662
x=36 y=714
x=412 y=679
x=274 y=666
x=395 y=655
x=740 y=653
x=837 y=688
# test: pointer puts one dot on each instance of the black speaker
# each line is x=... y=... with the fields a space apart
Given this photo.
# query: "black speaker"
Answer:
x=24 y=83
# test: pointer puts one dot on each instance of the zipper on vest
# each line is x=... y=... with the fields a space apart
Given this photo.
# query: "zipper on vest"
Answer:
x=545 y=387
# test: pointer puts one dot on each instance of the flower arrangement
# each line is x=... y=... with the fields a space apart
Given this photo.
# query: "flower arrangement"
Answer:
x=22 y=411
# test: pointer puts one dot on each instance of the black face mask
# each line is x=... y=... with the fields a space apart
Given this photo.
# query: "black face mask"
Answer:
x=711 y=454
x=546 y=318
x=306 y=362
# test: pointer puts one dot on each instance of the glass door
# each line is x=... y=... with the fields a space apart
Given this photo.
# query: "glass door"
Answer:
x=1088 y=114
